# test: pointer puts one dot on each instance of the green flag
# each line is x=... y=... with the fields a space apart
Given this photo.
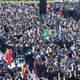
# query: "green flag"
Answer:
x=46 y=33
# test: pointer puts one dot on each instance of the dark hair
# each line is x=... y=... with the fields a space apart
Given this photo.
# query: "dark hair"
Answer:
x=24 y=65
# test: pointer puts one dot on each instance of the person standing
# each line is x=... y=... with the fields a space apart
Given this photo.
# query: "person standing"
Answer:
x=24 y=71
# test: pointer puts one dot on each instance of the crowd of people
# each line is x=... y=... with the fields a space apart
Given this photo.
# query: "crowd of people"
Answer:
x=21 y=30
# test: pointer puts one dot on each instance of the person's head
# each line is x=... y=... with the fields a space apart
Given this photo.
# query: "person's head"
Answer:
x=16 y=78
x=24 y=65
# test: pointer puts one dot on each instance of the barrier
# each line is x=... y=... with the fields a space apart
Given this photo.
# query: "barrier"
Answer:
x=35 y=1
